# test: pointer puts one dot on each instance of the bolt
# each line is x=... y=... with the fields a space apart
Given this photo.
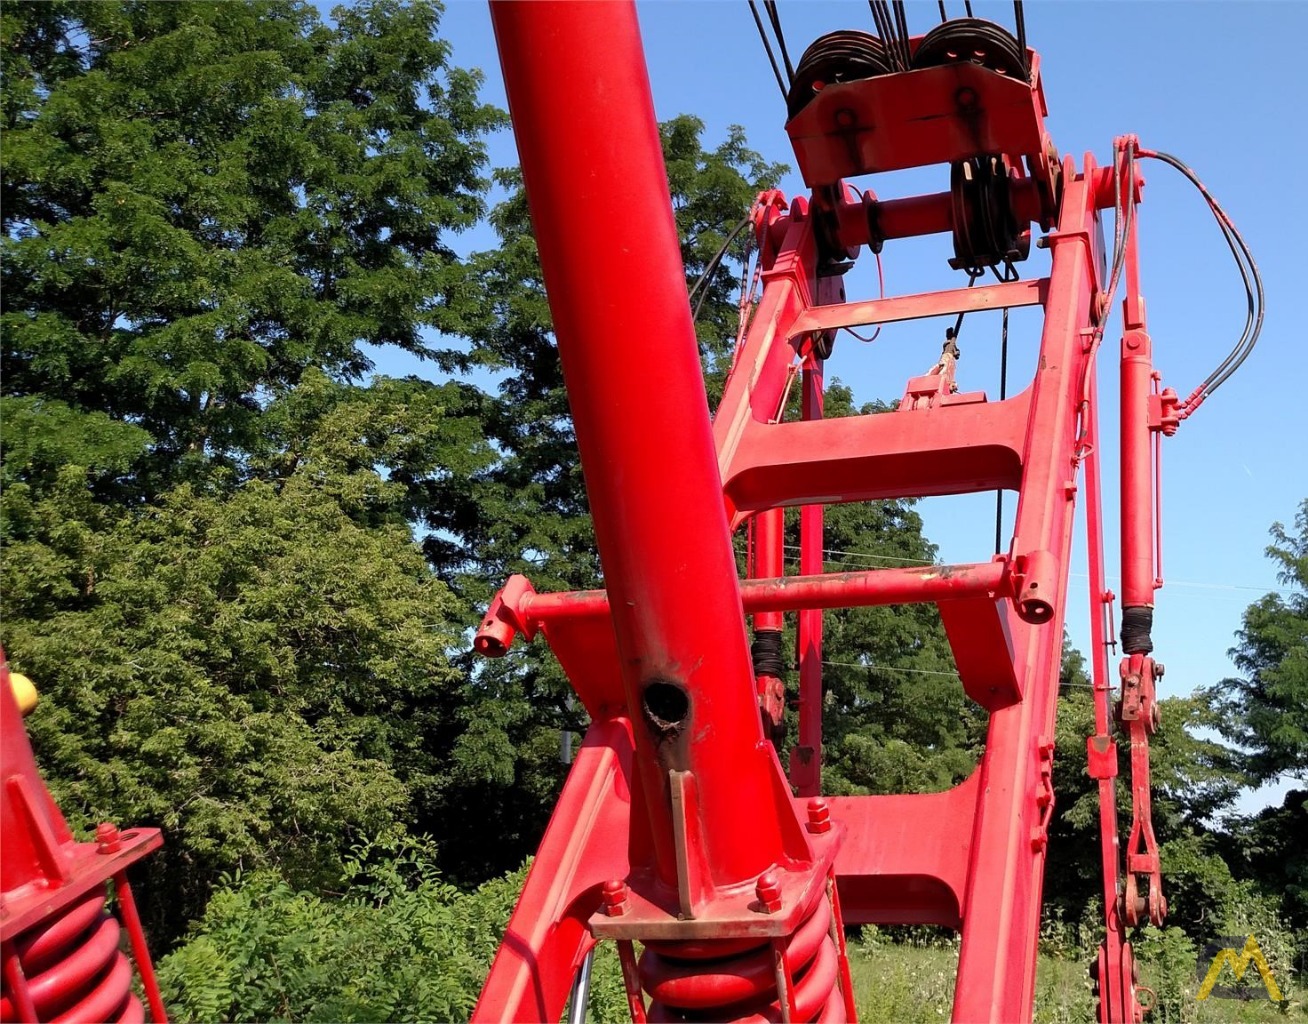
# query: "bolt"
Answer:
x=106 y=837
x=614 y=895
x=819 y=816
x=768 y=892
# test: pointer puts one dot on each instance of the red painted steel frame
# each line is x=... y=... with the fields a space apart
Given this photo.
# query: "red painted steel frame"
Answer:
x=60 y=948
x=711 y=813
x=676 y=826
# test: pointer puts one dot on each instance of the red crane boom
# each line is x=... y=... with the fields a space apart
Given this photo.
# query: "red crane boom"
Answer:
x=678 y=827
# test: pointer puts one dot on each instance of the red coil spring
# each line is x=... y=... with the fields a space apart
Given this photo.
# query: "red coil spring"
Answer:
x=74 y=970
x=736 y=979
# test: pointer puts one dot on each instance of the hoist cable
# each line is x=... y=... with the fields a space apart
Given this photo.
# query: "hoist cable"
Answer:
x=1250 y=277
x=1010 y=274
x=943 y=16
x=883 y=30
x=1019 y=19
x=972 y=275
x=762 y=34
x=1003 y=393
x=901 y=24
x=774 y=16
x=885 y=22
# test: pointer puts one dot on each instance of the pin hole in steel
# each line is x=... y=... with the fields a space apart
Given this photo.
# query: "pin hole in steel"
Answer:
x=666 y=707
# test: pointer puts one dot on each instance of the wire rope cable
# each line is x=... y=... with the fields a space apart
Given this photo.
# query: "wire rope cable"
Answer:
x=767 y=46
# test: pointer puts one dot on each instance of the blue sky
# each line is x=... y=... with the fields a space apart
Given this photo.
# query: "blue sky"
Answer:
x=1216 y=84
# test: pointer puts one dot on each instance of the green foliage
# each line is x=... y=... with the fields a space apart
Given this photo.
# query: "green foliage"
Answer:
x=1167 y=958
x=1269 y=848
x=895 y=718
x=212 y=213
x=1197 y=883
x=257 y=673
x=903 y=981
x=201 y=201
x=399 y=945
x=1265 y=712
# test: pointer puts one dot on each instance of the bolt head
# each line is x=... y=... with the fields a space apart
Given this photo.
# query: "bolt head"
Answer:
x=819 y=816
x=768 y=891
x=614 y=895
x=106 y=837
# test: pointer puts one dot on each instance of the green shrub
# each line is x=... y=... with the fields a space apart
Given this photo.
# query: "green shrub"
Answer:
x=1167 y=961
x=399 y=945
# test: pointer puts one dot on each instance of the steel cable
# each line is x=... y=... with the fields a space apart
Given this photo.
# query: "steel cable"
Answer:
x=767 y=46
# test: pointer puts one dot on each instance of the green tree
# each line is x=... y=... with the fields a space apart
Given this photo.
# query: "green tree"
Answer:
x=203 y=200
x=1265 y=711
x=258 y=673
x=210 y=212
x=1271 y=850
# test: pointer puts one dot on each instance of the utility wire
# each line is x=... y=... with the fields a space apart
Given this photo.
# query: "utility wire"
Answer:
x=860 y=554
x=866 y=559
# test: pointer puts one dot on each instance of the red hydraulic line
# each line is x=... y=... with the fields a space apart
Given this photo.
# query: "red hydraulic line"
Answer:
x=597 y=190
x=806 y=758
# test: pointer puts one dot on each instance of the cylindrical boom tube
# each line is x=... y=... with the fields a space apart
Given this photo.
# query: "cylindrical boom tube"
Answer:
x=584 y=120
x=917 y=584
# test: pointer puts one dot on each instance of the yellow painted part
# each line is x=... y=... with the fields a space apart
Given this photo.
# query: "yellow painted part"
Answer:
x=24 y=691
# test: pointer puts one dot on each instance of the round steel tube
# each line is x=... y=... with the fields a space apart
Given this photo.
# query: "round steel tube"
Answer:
x=917 y=584
x=584 y=121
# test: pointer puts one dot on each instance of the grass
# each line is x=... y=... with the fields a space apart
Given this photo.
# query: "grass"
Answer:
x=913 y=983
